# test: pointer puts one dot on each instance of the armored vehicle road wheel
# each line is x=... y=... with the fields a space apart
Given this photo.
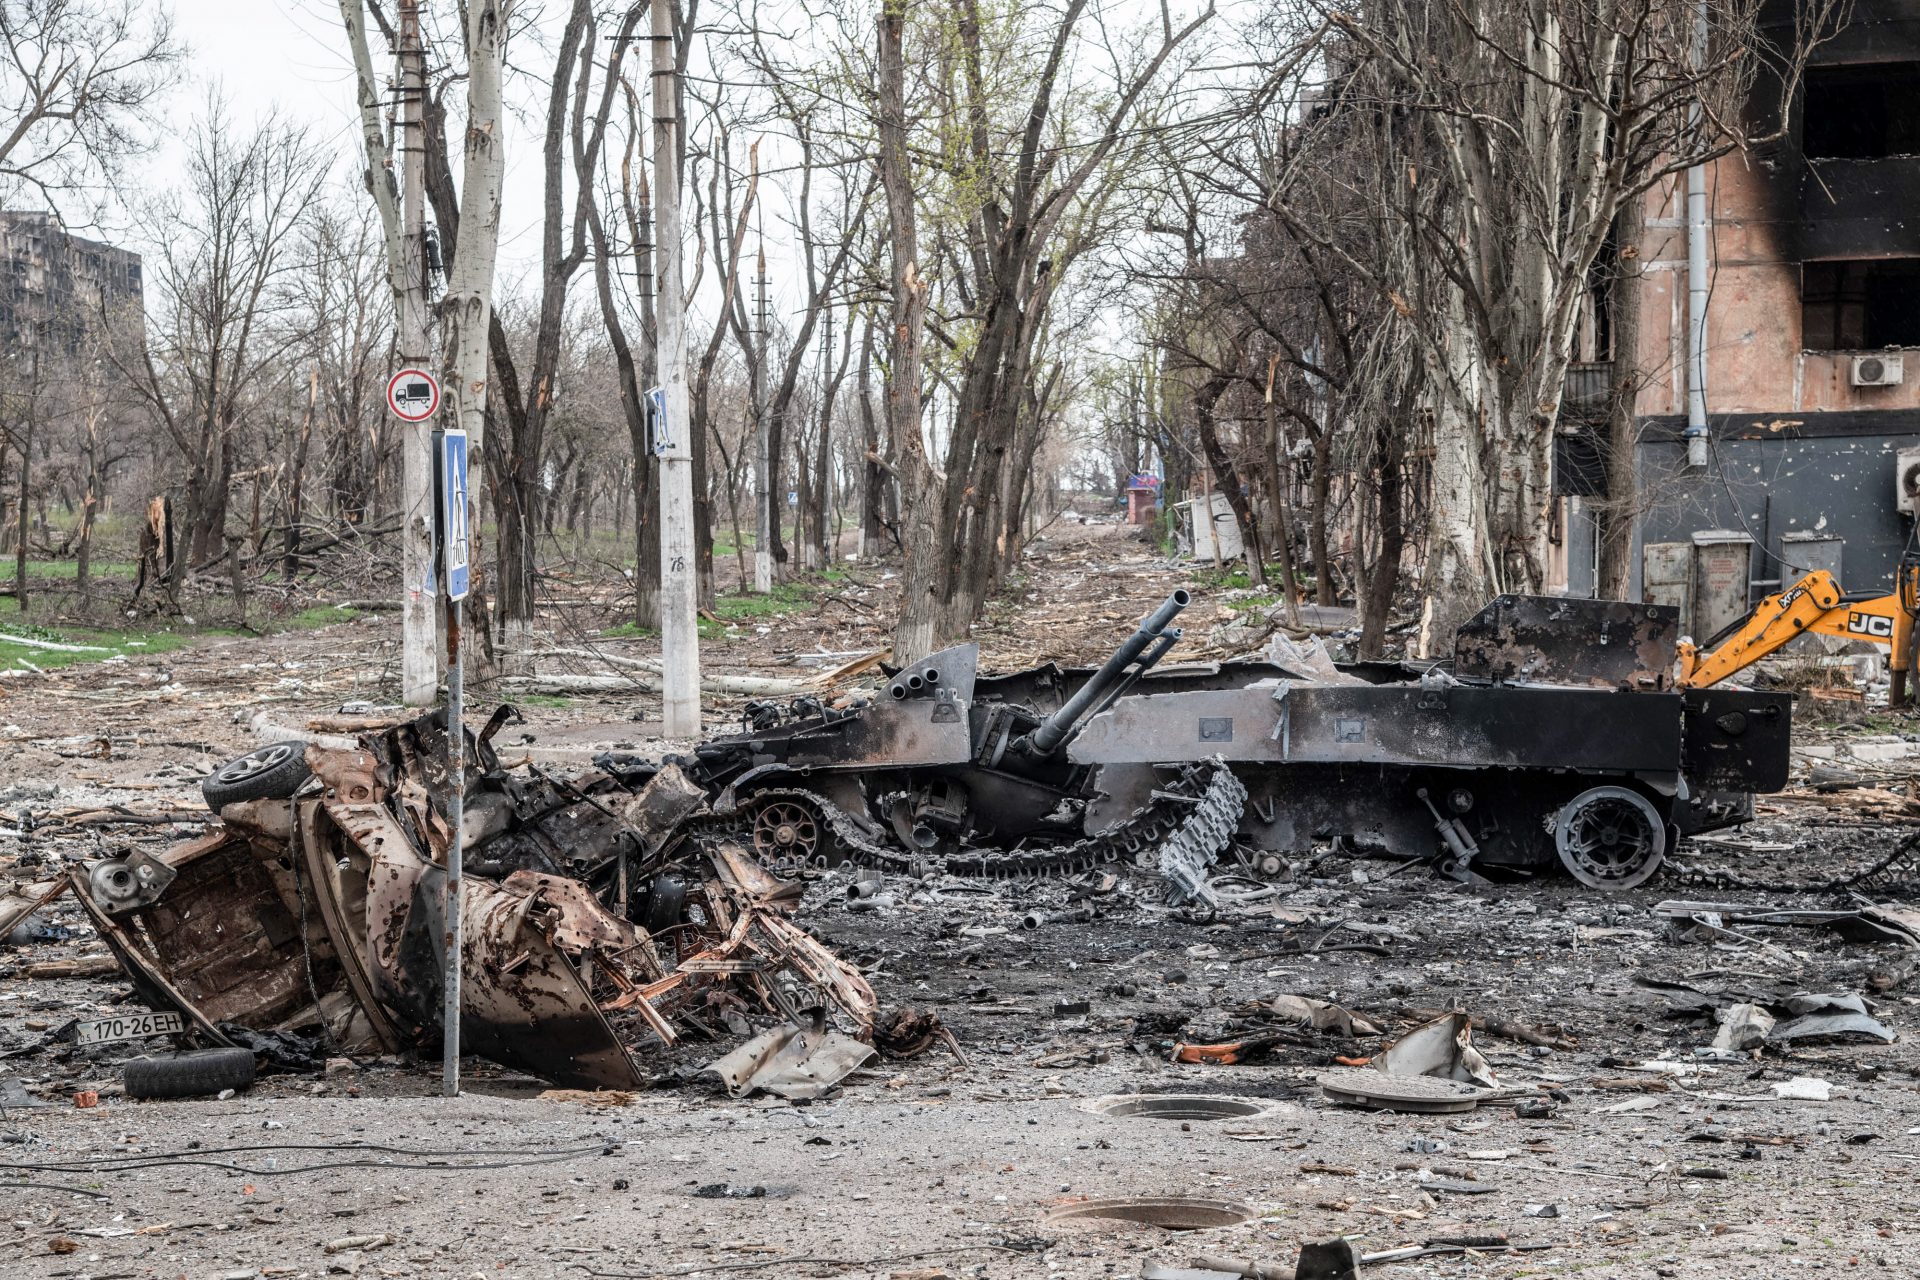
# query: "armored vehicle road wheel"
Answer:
x=1610 y=837
x=272 y=772
x=787 y=833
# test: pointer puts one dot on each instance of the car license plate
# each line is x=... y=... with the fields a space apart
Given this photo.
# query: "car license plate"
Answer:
x=129 y=1026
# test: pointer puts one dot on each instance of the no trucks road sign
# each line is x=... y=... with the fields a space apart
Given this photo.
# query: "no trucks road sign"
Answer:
x=413 y=394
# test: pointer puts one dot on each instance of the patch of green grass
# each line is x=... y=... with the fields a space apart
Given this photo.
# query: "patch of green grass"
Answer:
x=68 y=570
x=97 y=644
x=787 y=597
x=101 y=644
x=551 y=700
x=1224 y=579
x=739 y=610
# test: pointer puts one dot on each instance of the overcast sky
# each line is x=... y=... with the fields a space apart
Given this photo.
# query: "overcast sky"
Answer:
x=292 y=55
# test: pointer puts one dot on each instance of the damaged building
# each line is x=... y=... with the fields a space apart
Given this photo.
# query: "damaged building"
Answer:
x=1812 y=457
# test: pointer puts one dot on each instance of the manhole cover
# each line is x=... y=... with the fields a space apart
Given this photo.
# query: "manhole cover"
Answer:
x=1365 y=1087
x=1171 y=1213
x=1180 y=1106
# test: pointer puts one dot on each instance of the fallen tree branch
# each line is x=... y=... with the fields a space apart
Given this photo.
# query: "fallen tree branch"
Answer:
x=754 y=686
x=8 y=637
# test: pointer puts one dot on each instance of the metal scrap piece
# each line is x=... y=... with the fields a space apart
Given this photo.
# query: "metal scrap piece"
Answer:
x=791 y=1062
x=1188 y=854
x=1607 y=644
x=21 y=900
x=1443 y=1049
x=668 y=799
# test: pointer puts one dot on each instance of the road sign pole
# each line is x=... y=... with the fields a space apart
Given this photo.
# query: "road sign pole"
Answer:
x=450 y=461
x=456 y=813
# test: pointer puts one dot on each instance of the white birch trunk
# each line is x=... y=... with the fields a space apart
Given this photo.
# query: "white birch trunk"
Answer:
x=466 y=310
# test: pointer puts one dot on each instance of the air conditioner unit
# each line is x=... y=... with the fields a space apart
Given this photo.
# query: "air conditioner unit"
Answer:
x=1906 y=477
x=1877 y=371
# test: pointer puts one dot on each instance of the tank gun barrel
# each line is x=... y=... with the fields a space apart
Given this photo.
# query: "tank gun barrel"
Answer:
x=1153 y=634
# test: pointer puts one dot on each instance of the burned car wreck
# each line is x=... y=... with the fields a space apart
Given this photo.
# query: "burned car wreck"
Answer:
x=318 y=913
x=1554 y=734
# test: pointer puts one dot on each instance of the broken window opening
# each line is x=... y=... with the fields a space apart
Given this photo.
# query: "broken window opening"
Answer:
x=1862 y=112
x=1860 y=305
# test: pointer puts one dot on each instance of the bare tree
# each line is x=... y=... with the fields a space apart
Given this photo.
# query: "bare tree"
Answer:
x=1024 y=179
x=78 y=79
x=226 y=242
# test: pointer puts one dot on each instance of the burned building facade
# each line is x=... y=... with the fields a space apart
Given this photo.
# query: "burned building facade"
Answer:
x=57 y=286
x=1811 y=368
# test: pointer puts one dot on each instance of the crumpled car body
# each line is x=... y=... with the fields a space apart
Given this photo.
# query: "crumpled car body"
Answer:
x=323 y=915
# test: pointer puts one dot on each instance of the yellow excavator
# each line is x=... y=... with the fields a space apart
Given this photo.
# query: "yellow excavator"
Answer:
x=1817 y=604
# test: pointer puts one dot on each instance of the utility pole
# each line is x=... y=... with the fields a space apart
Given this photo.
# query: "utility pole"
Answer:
x=419 y=629
x=763 y=431
x=679 y=585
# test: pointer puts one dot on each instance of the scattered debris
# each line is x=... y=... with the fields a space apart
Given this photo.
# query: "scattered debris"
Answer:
x=1803 y=1089
x=1443 y=1049
x=1743 y=1026
x=791 y=1062
x=1321 y=1015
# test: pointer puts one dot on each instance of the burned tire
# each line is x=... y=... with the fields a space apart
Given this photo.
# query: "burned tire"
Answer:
x=272 y=772
x=1610 y=838
x=198 y=1074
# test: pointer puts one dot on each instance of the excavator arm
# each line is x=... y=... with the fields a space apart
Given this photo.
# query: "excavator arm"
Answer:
x=1813 y=604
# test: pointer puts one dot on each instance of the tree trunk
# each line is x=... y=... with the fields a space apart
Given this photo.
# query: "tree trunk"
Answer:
x=26 y=473
x=1317 y=540
x=1378 y=603
x=1616 y=513
x=89 y=506
x=924 y=513
x=873 y=473
x=466 y=310
x=296 y=477
x=1204 y=403
x=1282 y=508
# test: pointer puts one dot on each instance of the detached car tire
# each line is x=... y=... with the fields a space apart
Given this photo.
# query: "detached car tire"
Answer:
x=197 y=1074
x=272 y=772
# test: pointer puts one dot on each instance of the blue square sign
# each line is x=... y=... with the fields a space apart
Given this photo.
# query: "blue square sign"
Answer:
x=453 y=515
x=657 y=420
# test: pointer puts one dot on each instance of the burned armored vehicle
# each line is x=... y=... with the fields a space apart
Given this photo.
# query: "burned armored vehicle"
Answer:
x=1554 y=734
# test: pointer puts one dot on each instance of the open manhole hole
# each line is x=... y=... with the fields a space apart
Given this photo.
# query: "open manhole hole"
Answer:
x=1180 y=1106
x=1170 y=1213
